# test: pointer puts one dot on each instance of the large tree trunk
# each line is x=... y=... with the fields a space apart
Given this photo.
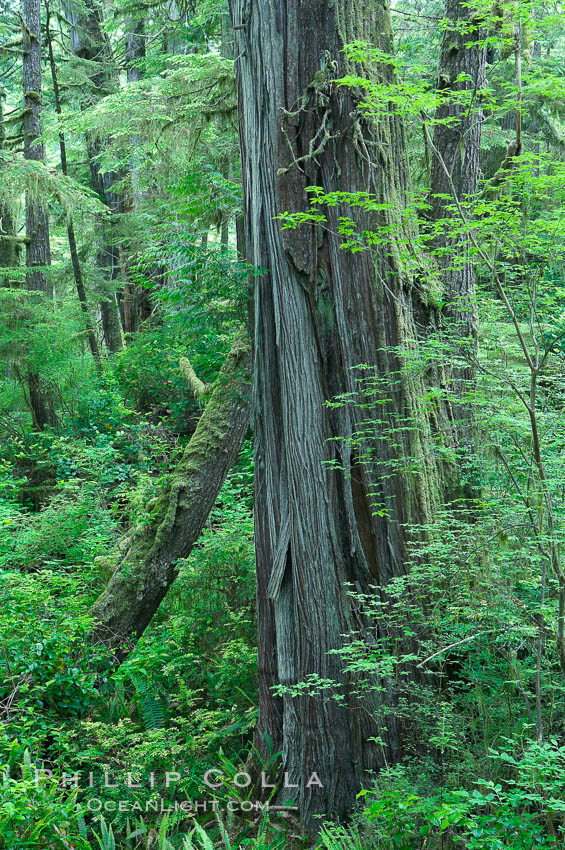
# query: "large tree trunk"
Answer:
x=320 y=312
x=38 y=252
x=73 y=249
x=149 y=566
x=455 y=170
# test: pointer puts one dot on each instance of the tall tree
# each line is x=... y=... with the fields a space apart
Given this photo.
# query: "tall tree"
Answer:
x=38 y=252
x=334 y=496
x=90 y=43
x=73 y=249
x=455 y=169
x=135 y=50
x=176 y=15
x=136 y=305
x=9 y=243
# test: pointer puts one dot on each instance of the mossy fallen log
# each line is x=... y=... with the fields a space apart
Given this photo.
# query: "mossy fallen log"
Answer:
x=148 y=566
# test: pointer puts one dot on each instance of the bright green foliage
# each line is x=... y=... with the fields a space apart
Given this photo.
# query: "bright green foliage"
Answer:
x=55 y=821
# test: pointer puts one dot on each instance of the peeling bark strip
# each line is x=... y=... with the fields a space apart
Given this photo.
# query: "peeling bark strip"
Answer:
x=320 y=312
x=149 y=566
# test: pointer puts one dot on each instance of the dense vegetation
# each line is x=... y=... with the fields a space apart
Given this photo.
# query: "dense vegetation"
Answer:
x=331 y=615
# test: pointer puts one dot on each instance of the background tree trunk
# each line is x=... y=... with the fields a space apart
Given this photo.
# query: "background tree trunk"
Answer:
x=109 y=264
x=90 y=42
x=38 y=252
x=149 y=566
x=73 y=250
x=457 y=147
x=175 y=42
x=135 y=49
x=137 y=307
x=320 y=312
x=9 y=245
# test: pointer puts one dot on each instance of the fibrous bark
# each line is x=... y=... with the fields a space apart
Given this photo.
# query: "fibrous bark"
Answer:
x=38 y=252
x=149 y=565
x=335 y=495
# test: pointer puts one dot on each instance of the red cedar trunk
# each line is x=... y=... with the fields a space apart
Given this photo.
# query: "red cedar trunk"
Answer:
x=135 y=49
x=321 y=311
x=175 y=41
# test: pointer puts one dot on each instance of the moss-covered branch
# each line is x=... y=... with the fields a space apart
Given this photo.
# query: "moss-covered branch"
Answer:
x=198 y=387
x=149 y=565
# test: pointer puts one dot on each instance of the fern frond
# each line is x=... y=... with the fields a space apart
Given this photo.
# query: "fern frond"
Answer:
x=150 y=705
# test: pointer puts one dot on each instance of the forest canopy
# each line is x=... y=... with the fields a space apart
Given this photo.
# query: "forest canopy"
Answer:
x=282 y=349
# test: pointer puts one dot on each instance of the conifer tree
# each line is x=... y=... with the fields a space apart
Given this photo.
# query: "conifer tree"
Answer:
x=38 y=251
